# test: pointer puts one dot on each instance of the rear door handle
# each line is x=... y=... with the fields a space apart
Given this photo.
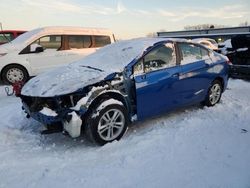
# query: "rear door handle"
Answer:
x=175 y=75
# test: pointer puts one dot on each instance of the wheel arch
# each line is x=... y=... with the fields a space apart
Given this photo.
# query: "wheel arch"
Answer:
x=14 y=64
x=109 y=95
x=221 y=80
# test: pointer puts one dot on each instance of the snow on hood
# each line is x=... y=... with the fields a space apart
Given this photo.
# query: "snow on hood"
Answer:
x=61 y=81
x=110 y=59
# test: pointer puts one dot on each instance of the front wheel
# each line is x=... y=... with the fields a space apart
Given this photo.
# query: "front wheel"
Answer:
x=107 y=124
x=214 y=93
x=14 y=73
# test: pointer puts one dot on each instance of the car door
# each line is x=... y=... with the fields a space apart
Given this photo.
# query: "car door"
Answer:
x=52 y=55
x=194 y=78
x=156 y=78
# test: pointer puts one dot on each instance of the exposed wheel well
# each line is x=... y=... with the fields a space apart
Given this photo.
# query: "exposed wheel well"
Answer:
x=221 y=81
x=101 y=98
x=106 y=96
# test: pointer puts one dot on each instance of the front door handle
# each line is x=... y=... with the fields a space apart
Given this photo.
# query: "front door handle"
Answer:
x=143 y=77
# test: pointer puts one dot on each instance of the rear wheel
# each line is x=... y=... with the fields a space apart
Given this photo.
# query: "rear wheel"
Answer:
x=14 y=73
x=214 y=93
x=107 y=125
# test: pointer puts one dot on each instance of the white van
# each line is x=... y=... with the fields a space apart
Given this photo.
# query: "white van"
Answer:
x=44 y=48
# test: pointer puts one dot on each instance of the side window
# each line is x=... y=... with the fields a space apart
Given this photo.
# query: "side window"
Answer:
x=49 y=42
x=138 y=68
x=100 y=41
x=191 y=53
x=162 y=57
x=159 y=58
x=79 y=41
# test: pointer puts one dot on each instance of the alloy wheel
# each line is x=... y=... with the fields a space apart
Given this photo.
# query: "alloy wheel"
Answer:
x=111 y=124
x=215 y=93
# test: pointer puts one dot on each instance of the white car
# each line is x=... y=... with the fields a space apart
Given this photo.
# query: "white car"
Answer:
x=41 y=49
x=207 y=42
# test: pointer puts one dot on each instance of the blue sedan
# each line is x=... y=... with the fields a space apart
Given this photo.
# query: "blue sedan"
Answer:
x=125 y=82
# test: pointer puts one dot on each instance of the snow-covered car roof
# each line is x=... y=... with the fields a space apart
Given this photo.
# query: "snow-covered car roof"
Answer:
x=109 y=59
x=203 y=39
x=207 y=42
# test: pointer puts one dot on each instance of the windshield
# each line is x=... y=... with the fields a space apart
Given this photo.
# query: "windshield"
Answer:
x=114 y=57
x=6 y=37
x=212 y=41
x=26 y=37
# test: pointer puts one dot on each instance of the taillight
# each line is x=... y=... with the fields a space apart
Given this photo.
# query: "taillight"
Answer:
x=229 y=62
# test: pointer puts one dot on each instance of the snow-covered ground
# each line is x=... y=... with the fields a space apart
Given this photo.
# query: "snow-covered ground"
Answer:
x=192 y=147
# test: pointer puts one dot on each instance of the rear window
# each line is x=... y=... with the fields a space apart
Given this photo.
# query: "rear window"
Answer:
x=192 y=53
x=79 y=41
x=100 y=41
x=6 y=37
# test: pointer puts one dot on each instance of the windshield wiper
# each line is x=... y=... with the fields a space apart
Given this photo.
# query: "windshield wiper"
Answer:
x=92 y=68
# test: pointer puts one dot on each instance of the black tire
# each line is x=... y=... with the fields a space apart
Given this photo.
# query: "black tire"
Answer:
x=95 y=119
x=14 y=73
x=214 y=93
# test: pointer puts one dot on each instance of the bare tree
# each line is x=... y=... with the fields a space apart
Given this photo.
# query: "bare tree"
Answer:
x=244 y=24
x=203 y=26
x=152 y=34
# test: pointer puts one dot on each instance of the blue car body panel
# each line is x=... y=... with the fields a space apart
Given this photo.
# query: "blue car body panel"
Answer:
x=167 y=89
x=157 y=91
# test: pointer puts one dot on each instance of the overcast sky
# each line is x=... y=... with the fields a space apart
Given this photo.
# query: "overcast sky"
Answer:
x=126 y=18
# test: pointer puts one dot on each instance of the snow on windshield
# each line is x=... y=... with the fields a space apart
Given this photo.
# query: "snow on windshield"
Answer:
x=113 y=58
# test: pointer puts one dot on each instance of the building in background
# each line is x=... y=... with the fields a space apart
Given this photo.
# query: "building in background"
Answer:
x=220 y=34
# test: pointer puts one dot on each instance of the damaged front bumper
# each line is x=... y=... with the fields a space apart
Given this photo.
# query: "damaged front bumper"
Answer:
x=67 y=117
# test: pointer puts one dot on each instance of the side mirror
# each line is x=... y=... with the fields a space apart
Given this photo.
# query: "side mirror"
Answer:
x=36 y=48
x=39 y=49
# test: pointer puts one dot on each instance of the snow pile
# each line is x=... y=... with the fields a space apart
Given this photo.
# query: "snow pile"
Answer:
x=192 y=147
x=48 y=112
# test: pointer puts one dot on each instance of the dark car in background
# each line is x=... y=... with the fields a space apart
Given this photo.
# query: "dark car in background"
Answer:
x=237 y=50
x=240 y=57
x=124 y=82
x=9 y=35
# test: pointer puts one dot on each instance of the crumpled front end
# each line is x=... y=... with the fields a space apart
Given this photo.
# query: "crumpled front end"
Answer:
x=70 y=109
x=54 y=110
